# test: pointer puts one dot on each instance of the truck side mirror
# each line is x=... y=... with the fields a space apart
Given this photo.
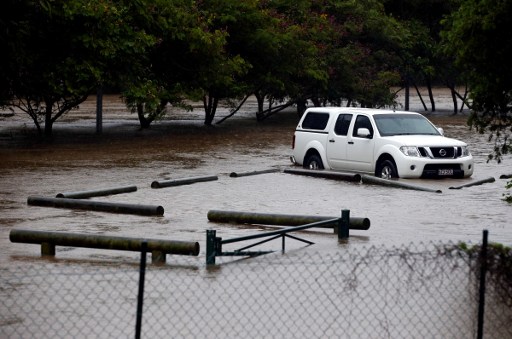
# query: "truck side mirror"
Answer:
x=364 y=133
x=441 y=130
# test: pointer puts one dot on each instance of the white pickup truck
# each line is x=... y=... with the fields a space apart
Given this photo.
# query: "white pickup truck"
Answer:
x=386 y=143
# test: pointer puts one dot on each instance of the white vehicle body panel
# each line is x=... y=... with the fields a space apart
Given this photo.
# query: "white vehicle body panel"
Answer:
x=344 y=150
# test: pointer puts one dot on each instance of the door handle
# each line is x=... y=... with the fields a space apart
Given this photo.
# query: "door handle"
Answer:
x=350 y=142
x=331 y=140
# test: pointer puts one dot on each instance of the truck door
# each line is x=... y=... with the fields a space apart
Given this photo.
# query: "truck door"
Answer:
x=337 y=142
x=360 y=149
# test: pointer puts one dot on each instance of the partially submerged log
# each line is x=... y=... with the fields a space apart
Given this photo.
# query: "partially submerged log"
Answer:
x=368 y=179
x=102 y=206
x=97 y=193
x=183 y=181
x=244 y=174
x=325 y=174
x=474 y=183
x=281 y=219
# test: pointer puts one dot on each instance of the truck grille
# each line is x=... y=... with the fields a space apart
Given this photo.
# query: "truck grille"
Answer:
x=448 y=152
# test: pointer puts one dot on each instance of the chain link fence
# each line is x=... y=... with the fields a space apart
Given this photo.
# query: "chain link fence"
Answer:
x=414 y=291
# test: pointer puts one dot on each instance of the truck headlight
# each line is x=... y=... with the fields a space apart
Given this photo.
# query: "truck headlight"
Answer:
x=410 y=151
x=465 y=151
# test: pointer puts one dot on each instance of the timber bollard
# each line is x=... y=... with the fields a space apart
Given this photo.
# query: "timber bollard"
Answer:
x=183 y=181
x=325 y=174
x=244 y=174
x=282 y=219
x=102 y=206
x=97 y=193
x=394 y=183
x=474 y=183
x=49 y=240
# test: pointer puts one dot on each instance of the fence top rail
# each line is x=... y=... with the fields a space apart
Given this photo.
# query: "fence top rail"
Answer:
x=281 y=231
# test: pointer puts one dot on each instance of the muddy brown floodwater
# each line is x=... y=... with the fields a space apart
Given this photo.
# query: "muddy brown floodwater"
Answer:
x=180 y=146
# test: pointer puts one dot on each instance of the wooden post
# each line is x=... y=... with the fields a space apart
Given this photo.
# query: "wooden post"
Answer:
x=47 y=249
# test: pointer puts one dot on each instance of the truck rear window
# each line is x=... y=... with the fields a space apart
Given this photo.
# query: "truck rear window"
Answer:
x=314 y=120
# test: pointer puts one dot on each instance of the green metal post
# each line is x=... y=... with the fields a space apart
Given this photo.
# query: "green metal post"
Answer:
x=210 y=247
x=344 y=225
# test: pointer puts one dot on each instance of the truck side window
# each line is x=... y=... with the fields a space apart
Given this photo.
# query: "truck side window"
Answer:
x=314 y=120
x=362 y=121
x=342 y=124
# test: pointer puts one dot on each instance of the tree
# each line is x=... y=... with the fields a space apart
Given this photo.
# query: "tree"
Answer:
x=67 y=49
x=421 y=61
x=362 y=57
x=478 y=35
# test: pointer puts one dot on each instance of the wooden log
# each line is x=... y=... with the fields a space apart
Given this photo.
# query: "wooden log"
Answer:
x=183 y=181
x=244 y=174
x=325 y=174
x=506 y=176
x=281 y=219
x=97 y=193
x=148 y=210
x=474 y=183
x=49 y=240
x=368 y=179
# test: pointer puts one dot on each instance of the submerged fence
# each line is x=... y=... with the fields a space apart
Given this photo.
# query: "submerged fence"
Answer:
x=415 y=291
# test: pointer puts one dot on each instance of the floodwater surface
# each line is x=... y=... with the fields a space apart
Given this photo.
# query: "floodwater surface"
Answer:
x=181 y=147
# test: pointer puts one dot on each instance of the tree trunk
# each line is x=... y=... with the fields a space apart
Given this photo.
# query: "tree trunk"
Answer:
x=210 y=103
x=406 y=104
x=144 y=123
x=48 y=122
x=454 y=98
x=260 y=99
x=421 y=98
x=431 y=95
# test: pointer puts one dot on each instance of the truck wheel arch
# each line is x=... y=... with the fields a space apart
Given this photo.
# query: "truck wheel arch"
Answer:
x=384 y=158
x=313 y=153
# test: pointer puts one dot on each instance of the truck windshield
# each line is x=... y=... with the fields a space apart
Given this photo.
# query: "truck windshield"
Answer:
x=404 y=124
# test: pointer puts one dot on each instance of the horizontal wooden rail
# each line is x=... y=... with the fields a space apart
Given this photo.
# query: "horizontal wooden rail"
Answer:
x=97 y=206
x=183 y=181
x=325 y=174
x=474 y=183
x=283 y=219
x=369 y=179
x=48 y=240
x=97 y=193
x=245 y=174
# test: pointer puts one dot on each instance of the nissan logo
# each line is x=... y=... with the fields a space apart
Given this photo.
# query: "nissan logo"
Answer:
x=442 y=152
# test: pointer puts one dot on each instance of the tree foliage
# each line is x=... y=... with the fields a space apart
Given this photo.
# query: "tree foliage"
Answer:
x=284 y=52
x=478 y=36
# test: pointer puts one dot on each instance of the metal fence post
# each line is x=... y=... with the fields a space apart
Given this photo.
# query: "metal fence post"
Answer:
x=344 y=225
x=483 y=271
x=210 y=247
x=140 y=299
